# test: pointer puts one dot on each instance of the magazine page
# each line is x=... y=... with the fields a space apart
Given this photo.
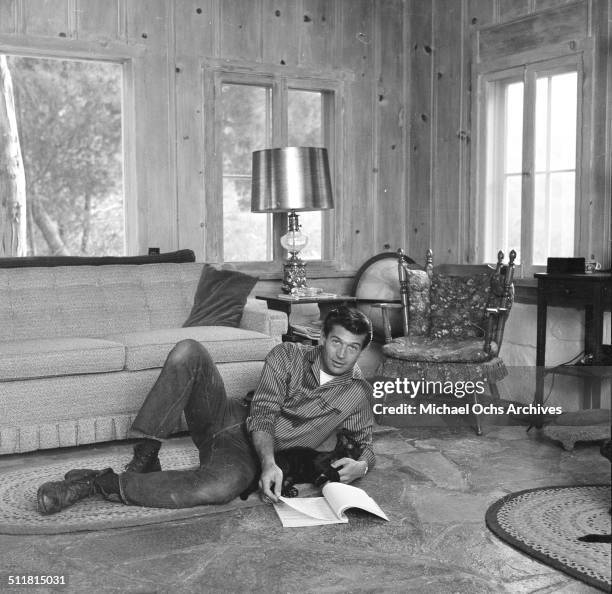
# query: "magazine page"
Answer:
x=306 y=511
x=341 y=497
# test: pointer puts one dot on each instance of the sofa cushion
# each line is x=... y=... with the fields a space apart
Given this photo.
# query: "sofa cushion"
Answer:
x=149 y=349
x=220 y=297
x=95 y=301
x=46 y=357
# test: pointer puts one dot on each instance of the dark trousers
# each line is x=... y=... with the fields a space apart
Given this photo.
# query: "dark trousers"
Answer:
x=190 y=382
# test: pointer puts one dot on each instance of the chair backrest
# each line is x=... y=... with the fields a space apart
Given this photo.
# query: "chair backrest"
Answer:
x=462 y=298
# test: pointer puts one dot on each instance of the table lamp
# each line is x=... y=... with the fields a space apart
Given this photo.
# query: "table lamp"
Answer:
x=291 y=179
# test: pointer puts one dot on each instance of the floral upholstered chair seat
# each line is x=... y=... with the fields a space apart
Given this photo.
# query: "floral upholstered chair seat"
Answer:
x=440 y=350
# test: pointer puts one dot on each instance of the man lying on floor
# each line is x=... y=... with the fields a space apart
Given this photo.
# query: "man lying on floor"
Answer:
x=305 y=394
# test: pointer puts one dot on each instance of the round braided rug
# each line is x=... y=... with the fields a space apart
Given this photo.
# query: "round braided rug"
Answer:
x=18 y=487
x=545 y=524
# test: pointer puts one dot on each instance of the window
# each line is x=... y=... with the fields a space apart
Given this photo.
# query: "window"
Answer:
x=68 y=120
x=246 y=127
x=257 y=112
x=532 y=151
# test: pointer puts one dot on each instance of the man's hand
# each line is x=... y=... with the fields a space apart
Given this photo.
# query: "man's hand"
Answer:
x=271 y=479
x=349 y=469
x=270 y=482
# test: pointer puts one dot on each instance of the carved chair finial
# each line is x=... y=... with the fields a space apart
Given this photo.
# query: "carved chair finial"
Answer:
x=429 y=262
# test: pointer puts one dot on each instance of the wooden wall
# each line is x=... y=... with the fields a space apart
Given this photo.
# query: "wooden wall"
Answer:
x=406 y=171
x=441 y=34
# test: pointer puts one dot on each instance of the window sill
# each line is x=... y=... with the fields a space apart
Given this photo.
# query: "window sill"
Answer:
x=274 y=270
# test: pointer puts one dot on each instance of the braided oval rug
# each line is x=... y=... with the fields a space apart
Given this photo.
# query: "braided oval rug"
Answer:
x=545 y=524
x=19 y=513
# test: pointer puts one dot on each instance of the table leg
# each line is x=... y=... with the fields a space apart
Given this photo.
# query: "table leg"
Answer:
x=540 y=356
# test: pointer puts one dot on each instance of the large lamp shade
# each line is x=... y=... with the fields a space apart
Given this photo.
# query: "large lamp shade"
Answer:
x=291 y=179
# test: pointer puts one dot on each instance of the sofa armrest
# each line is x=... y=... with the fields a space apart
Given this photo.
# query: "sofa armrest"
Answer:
x=256 y=316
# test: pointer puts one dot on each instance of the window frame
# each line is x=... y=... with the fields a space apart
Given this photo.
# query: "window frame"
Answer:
x=528 y=73
x=216 y=75
x=116 y=55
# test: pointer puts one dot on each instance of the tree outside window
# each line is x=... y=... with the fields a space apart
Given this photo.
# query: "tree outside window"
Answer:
x=67 y=129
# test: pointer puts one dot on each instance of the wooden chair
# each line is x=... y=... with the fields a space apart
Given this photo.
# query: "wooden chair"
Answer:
x=453 y=319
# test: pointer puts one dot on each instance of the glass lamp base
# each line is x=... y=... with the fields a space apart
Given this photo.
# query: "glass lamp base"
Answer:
x=294 y=275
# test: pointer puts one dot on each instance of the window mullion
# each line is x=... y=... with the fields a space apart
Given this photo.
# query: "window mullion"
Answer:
x=528 y=173
x=280 y=129
x=547 y=209
x=329 y=138
x=500 y=117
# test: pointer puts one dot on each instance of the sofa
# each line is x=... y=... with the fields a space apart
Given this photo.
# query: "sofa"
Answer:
x=81 y=345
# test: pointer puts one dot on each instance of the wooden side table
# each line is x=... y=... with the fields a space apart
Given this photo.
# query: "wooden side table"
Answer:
x=593 y=292
x=285 y=303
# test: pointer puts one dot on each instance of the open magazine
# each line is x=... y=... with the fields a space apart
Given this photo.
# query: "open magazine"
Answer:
x=329 y=509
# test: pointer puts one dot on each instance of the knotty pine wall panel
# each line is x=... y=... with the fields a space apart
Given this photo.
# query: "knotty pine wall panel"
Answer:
x=540 y=5
x=198 y=22
x=480 y=13
x=47 y=18
x=601 y=215
x=149 y=24
x=317 y=33
x=195 y=30
x=240 y=29
x=390 y=128
x=448 y=123
x=563 y=25
x=97 y=20
x=8 y=17
x=419 y=157
x=508 y=10
x=279 y=26
x=357 y=238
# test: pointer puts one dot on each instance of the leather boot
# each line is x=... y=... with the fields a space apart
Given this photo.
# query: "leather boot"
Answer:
x=145 y=457
x=57 y=495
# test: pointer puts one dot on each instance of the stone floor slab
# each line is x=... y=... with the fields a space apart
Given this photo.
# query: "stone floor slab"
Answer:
x=435 y=467
x=439 y=506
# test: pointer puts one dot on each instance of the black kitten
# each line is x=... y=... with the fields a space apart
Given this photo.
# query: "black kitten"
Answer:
x=305 y=465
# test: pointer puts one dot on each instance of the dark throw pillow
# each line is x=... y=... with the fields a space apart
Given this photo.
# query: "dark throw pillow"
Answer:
x=220 y=297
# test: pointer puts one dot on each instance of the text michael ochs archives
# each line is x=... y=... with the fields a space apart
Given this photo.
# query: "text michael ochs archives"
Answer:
x=414 y=388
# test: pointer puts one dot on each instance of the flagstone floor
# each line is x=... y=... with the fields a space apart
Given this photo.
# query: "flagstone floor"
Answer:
x=434 y=482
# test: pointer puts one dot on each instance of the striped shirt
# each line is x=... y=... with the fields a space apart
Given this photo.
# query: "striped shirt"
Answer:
x=291 y=404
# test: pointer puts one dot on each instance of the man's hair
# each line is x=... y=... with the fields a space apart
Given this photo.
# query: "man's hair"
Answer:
x=350 y=319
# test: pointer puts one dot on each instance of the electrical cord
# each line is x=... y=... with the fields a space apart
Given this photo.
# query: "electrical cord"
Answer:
x=571 y=361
